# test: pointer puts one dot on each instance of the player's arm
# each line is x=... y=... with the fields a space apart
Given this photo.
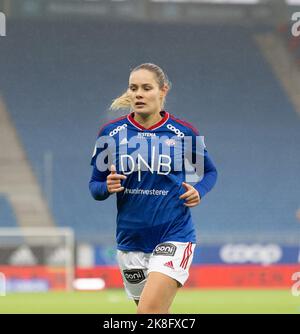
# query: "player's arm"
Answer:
x=194 y=194
x=97 y=184
x=105 y=181
x=209 y=178
x=102 y=184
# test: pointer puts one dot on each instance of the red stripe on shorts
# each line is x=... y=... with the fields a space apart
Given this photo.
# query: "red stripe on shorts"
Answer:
x=186 y=255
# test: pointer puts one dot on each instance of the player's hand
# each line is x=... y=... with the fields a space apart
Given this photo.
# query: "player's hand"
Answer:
x=113 y=181
x=191 y=196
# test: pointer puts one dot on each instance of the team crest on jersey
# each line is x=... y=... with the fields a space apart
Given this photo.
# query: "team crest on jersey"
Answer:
x=170 y=142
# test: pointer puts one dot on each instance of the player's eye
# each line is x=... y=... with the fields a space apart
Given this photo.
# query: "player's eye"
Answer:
x=133 y=88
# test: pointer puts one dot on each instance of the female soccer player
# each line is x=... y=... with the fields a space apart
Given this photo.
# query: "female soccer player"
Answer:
x=155 y=234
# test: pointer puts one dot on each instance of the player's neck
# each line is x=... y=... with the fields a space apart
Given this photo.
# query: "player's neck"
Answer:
x=147 y=120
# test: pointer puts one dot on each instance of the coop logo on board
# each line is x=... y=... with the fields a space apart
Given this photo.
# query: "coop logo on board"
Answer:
x=296 y=25
x=255 y=253
x=2 y=25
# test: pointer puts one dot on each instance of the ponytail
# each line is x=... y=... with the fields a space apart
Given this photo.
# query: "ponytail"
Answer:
x=121 y=102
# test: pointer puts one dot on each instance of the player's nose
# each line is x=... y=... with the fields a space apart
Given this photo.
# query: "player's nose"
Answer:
x=139 y=95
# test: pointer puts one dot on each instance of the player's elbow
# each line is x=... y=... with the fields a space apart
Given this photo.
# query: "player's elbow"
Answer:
x=214 y=175
x=98 y=190
x=94 y=191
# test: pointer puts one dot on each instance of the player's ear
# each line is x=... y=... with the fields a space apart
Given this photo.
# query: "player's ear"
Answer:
x=166 y=88
x=164 y=91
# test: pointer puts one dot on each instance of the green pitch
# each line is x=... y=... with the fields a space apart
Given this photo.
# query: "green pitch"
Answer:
x=187 y=301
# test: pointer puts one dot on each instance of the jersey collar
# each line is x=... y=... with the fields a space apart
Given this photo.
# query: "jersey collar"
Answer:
x=165 y=117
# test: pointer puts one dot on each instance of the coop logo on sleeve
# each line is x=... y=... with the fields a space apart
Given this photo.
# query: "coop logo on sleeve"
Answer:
x=117 y=129
x=165 y=249
x=178 y=132
x=296 y=25
x=2 y=25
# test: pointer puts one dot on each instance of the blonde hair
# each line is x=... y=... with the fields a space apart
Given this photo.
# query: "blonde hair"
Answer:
x=124 y=102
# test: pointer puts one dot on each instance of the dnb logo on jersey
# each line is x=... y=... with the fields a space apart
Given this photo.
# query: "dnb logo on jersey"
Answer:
x=167 y=249
x=134 y=276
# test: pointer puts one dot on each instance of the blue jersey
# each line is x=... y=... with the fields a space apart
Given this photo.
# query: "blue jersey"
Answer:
x=155 y=163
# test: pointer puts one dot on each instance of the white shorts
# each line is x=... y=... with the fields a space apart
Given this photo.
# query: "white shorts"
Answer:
x=171 y=258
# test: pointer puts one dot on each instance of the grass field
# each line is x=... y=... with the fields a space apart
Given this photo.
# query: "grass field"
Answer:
x=187 y=301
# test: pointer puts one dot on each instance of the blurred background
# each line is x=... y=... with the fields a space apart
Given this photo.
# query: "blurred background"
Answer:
x=235 y=71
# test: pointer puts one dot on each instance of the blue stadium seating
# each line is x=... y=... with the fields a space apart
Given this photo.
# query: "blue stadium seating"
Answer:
x=7 y=216
x=58 y=79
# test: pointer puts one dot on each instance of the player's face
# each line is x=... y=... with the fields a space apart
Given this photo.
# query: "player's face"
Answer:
x=144 y=92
